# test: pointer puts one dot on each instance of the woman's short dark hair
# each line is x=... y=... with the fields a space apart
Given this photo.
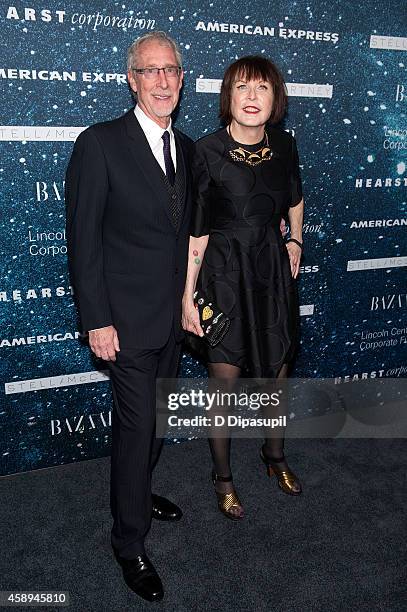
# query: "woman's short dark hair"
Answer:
x=254 y=67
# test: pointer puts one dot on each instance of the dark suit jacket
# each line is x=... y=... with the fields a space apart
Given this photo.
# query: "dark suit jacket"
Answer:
x=127 y=262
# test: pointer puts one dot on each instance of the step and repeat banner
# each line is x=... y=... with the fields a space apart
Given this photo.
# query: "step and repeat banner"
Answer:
x=62 y=68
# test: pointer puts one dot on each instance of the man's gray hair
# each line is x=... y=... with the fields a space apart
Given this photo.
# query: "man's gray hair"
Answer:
x=161 y=37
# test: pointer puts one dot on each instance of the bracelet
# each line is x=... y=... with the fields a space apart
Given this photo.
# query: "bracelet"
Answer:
x=300 y=244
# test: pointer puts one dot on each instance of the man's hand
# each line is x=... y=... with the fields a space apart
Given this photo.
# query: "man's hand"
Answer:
x=104 y=342
x=283 y=227
x=190 y=318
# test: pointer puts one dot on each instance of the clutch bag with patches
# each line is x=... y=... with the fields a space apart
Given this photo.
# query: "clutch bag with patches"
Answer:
x=213 y=321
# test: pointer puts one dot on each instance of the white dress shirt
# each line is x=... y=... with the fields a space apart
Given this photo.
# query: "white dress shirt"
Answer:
x=153 y=133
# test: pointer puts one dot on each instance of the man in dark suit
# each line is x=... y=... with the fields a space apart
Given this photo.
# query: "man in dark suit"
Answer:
x=128 y=210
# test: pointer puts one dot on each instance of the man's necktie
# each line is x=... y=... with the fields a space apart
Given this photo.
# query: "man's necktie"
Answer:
x=169 y=164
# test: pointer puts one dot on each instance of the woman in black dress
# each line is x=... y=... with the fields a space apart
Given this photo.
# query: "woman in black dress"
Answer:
x=246 y=180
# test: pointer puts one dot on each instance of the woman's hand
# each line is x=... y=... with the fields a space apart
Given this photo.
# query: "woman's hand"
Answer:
x=294 y=253
x=190 y=317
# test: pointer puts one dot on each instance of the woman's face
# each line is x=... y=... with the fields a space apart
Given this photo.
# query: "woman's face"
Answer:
x=251 y=102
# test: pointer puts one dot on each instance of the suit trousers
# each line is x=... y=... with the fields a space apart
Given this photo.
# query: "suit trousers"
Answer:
x=135 y=449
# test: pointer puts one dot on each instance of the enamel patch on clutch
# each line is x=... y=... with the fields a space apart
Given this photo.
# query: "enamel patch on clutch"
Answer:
x=207 y=313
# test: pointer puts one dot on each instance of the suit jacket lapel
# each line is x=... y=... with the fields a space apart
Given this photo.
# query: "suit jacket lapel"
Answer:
x=181 y=159
x=144 y=158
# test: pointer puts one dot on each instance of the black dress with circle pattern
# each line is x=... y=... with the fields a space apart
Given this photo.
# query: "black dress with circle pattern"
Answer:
x=246 y=268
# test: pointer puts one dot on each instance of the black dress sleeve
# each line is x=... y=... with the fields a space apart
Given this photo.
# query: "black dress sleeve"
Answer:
x=201 y=203
x=295 y=176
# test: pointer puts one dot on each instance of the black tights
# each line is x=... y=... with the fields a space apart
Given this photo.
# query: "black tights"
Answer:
x=220 y=447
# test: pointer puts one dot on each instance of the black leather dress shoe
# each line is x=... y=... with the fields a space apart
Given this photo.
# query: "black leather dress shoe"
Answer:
x=164 y=510
x=142 y=578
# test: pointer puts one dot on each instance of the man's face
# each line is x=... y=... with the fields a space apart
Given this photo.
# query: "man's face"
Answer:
x=157 y=96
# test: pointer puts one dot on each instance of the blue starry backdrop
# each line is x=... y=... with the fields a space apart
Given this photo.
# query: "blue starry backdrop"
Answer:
x=63 y=65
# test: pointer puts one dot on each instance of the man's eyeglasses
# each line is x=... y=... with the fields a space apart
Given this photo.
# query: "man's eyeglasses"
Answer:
x=151 y=73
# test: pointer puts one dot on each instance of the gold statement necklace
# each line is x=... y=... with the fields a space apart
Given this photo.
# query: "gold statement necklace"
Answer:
x=253 y=158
